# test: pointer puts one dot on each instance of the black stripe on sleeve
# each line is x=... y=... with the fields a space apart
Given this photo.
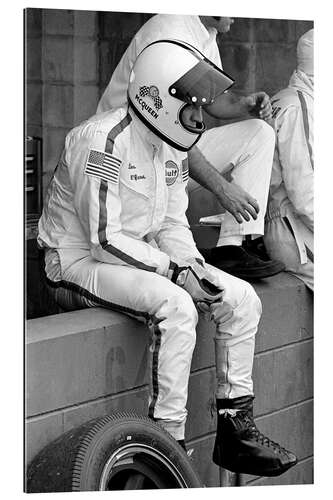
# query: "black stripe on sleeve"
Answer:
x=103 y=190
x=306 y=124
x=115 y=132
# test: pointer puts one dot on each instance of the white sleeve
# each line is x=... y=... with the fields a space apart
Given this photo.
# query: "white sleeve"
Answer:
x=296 y=162
x=98 y=204
x=175 y=237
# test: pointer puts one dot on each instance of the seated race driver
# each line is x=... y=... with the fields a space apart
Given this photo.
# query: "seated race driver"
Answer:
x=120 y=184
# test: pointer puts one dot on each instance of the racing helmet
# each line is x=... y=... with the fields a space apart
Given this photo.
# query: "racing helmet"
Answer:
x=167 y=76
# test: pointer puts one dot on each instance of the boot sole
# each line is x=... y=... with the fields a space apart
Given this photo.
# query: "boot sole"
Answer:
x=233 y=467
x=252 y=472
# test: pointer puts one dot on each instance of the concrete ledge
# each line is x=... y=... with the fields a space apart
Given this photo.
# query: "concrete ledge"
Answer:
x=88 y=363
x=81 y=356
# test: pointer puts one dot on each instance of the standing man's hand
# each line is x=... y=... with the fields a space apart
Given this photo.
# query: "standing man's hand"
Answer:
x=259 y=105
x=238 y=202
x=230 y=196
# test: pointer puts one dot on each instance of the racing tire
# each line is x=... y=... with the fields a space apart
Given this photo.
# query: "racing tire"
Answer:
x=121 y=451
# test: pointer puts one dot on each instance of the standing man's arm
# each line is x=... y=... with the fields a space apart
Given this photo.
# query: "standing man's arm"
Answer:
x=231 y=196
x=229 y=105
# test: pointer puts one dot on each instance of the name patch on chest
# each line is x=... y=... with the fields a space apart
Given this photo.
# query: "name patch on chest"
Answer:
x=137 y=177
x=171 y=172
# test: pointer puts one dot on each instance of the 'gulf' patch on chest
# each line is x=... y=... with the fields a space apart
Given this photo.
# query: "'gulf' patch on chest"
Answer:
x=171 y=172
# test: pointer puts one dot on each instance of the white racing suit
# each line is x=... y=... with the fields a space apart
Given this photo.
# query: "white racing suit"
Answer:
x=116 y=187
x=243 y=149
x=290 y=217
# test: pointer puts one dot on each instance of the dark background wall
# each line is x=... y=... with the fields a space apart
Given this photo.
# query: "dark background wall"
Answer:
x=70 y=56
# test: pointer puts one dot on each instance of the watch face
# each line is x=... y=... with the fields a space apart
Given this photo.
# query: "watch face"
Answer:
x=182 y=277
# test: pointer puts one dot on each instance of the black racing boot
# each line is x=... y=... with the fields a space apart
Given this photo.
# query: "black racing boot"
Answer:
x=241 y=447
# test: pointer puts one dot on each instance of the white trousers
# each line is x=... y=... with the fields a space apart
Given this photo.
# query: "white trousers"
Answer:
x=245 y=149
x=172 y=317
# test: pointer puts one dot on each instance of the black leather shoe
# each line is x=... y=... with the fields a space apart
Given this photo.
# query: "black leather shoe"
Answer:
x=238 y=262
x=241 y=447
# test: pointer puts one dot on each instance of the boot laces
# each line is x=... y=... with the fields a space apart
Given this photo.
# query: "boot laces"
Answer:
x=252 y=430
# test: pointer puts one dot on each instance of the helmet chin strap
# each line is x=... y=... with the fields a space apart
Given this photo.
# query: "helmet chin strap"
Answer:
x=196 y=129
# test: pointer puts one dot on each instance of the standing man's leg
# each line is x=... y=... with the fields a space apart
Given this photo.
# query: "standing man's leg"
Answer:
x=292 y=244
x=244 y=152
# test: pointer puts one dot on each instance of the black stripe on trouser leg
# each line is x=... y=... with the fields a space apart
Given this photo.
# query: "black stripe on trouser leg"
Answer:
x=309 y=254
x=102 y=302
x=157 y=345
x=222 y=367
x=289 y=226
x=308 y=251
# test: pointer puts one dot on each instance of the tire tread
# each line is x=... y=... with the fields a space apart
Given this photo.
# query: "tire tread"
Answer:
x=60 y=465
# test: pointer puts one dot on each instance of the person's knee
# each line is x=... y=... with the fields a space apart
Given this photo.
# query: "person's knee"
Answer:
x=187 y=308
x=265 y=131
x=179 y=308
x=252 y=302
x=182 y=319
x=248 y=310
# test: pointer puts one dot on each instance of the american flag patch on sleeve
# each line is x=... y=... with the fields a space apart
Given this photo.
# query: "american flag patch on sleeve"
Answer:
x=103 y=165
x=185 y=173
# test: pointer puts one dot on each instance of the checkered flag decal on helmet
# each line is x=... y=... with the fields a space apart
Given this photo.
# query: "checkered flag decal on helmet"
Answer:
x=144 y=91
x=152 y=92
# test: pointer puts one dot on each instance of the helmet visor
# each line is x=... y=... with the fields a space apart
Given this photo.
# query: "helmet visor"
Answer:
x=201 y=84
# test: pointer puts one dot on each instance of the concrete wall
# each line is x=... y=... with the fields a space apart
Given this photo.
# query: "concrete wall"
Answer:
x=87 y=363
x=62 y=76
x=70 y=56
x=261 y=53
